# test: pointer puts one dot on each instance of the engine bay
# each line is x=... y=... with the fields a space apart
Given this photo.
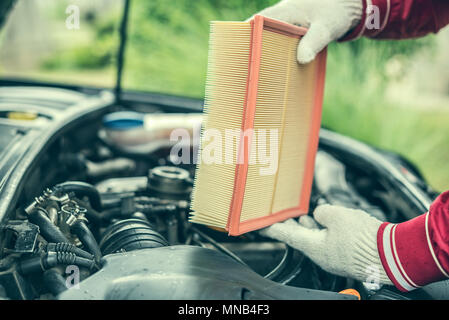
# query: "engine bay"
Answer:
x=84 y=218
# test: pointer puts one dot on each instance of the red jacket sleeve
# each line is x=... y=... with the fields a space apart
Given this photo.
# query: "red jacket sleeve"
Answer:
x=416 y=252
x=400 y=19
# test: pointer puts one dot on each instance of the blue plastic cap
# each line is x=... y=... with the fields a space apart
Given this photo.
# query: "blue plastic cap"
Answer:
x=124 y=120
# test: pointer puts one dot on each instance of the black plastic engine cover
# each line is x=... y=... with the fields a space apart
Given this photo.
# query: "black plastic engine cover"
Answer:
x=183 y=273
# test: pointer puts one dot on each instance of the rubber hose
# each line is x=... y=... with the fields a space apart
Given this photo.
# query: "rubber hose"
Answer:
x=50 y=260
x=54 y=282
x=47 y=229
x=87 y=239
x=82 y=189
x=91 y=214
x=53 y=259
x=68 y=247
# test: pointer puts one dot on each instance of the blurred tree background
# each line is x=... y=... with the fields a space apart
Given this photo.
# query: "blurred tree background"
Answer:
x=390 y=94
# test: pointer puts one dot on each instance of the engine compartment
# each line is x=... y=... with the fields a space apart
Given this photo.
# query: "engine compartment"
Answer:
x=78 y=212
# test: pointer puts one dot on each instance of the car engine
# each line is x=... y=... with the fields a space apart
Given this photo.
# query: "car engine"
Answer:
x=83 y=217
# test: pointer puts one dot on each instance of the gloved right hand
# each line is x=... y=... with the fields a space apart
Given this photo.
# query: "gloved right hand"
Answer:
x=327 y=20
x=346 y=245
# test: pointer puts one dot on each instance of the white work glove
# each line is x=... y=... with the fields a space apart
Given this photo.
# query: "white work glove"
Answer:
x=345 y=246
x=327 y=20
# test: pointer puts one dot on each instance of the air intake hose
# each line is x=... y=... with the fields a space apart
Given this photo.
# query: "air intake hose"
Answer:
x=129 y=235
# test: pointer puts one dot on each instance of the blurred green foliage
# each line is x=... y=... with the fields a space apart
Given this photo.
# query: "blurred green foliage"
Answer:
x=169 y=40
x=87 y=56
x=356 y=105
x=168 y=43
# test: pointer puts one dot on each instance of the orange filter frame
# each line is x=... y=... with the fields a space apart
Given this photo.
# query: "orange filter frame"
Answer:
x=235 y=226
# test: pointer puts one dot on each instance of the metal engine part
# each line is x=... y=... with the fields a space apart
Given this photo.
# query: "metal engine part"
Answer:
x=170 y=182
x=184 y=273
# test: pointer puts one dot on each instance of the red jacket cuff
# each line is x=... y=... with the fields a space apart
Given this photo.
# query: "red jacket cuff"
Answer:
x=399 y=19
x=415 y=253
x=375 y=17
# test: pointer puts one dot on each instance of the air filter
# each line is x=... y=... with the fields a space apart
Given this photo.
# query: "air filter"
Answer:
x=260 y=132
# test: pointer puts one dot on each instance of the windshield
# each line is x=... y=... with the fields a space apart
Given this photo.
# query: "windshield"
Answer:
x=69 y=42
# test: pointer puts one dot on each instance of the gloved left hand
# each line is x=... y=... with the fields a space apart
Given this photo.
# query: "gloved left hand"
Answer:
x=345 y=246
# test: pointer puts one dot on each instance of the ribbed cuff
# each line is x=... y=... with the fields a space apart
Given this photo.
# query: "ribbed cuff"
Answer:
x=367 y=264
x=407 y=254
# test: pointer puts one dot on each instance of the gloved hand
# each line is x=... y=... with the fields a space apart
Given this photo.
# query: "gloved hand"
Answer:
x=327 y=20
x=345 y=246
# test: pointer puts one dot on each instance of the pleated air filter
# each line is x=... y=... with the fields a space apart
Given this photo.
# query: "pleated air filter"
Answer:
x=262 y=117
